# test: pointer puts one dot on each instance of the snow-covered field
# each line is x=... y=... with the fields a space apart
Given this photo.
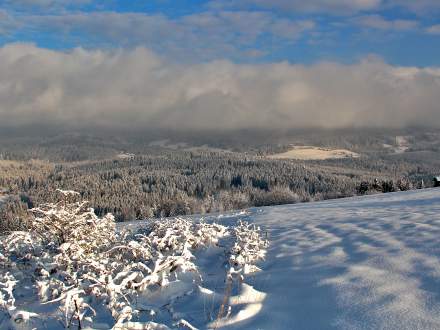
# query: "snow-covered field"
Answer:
x=402 y=145
x=314 y=153
x=359 y=263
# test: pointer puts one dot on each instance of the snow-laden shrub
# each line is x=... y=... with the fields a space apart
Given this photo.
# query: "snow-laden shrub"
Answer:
x=80 y=265
x=249 y=247
x=68 y=222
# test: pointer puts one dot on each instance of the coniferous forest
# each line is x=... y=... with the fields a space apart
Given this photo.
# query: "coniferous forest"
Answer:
x=163 y=180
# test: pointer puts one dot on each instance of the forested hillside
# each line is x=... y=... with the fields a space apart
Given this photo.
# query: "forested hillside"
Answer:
x=179 y=183
x=136 y=177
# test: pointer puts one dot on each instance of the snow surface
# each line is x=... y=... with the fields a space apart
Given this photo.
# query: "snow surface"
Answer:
x=314 y=153
x=402 y=145
x=74 y=270
x=357 y=263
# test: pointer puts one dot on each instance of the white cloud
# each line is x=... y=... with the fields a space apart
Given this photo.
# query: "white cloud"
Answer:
x=301 y=6
x=7 y=23
x=334 y=7
x=201 y=36
x=417 y=6
x=46 y=4
x=136 y=88
x=291 y=30
x=380 y=23
x=435 y=29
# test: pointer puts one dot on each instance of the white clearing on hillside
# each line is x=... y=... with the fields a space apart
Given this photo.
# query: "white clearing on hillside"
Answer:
x=314 y=153
x=402 y=145
x=125 y=155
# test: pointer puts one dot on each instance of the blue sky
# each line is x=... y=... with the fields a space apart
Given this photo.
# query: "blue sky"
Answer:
x=401 y=32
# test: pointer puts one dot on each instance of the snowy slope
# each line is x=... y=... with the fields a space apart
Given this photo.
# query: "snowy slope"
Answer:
x=359 y=263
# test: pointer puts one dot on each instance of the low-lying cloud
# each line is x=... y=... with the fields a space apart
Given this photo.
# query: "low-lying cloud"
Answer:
x=138 y=89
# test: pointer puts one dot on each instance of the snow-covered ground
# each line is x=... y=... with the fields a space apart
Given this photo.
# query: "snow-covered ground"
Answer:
x=359 y=263
x=314 y=153
x=402 y=145
x=74 y=270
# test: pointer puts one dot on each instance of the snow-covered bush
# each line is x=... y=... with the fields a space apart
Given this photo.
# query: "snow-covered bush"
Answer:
x=249 y=247
x=83 y=269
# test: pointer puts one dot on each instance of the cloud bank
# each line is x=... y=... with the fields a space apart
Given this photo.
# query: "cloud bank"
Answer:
x=138 y=89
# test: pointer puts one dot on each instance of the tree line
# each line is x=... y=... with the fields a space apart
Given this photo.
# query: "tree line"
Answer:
x=182 y=183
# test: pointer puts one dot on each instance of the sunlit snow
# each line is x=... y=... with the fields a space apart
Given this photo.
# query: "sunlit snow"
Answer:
x=358 y=263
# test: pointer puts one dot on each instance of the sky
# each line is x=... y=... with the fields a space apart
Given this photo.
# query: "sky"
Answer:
x=230 y=64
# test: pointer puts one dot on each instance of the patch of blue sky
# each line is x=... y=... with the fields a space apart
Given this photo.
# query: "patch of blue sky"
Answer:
x=400 y=35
